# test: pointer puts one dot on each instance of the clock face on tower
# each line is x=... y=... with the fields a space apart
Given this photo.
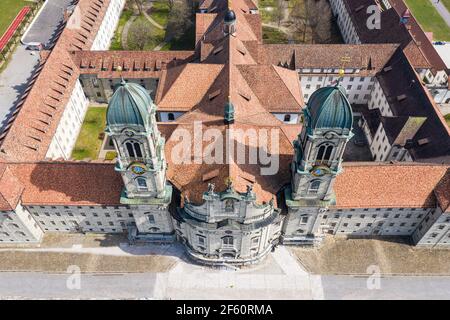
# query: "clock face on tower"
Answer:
x=320 y=171
x=138 y=168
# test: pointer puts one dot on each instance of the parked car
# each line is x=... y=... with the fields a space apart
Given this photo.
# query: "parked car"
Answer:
x=35 y=46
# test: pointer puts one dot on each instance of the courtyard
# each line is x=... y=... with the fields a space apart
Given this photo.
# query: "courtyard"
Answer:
x=91 y=135
x=155 y=25
x=298 y=21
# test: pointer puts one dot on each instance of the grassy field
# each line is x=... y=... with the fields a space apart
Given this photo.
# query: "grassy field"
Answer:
x=446 y=4
x=273 y=36
x=88 y=144
x=429 y=19
x=116 y=43
x=447 y=118
x=160 y=12
x=157 y=35
x=8 y=11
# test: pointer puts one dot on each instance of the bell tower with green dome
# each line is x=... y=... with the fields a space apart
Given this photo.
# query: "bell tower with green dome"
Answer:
x=319 y=150
x=131 y=124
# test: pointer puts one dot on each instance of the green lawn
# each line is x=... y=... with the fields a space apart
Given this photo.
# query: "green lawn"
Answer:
x=447 y=118
x=8 y=11
x=160 y=12
x=116 y=43
x=157 y=35
x=429 y=19
x=88 y=144
x=273 y=36
x=446 y=4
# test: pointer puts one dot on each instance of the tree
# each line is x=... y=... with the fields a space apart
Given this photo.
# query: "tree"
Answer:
x=139 y=35
x=320 y=17
x=299 y=21
x=179 y=20
x=139 y=4
x=170 y=4
x=279 y=11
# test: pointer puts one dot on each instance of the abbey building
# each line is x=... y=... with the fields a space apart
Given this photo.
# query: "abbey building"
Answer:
x=293 y=115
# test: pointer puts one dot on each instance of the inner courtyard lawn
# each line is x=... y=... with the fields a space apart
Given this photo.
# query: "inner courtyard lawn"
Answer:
x=160 y=12
x=273 y=36
x=88 y=144
x=116 y=42
x=430 y=19
x=8 y=11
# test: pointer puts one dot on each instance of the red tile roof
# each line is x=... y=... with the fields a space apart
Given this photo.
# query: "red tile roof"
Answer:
x=10 y=189
x=442 y=192
x=375 y=185
x=30 y=132
x=67 y=183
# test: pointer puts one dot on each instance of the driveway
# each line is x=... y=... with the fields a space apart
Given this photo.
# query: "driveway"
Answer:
x=14 y=80
x=48 y=21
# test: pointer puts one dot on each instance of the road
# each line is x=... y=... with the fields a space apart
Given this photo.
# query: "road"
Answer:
x=442 y=10
x=149 y=286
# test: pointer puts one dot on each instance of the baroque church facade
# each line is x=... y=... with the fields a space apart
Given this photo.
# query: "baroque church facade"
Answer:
x=226 y=212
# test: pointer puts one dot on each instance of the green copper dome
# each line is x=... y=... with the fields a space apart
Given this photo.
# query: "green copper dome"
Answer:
x=328 y=107
x=129 y=105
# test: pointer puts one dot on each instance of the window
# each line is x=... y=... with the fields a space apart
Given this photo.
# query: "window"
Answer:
x=229 y=205
x=171 y=117
x=255 y=241
x=314 y=187
x=324 y=153
x=201 y=240
x=227 y=241
x=151 y=218
x=287 y=118
x=304 y=220
x=142 y=184
x=134 y=149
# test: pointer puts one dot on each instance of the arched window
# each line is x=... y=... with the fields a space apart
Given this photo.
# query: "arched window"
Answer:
x=137 y=149
x=314 y=187
x=328 y=152
x=320 y=153
x=171 y=117
x=142 y=184
x=287 y=118
x=227 y=241
x=324 y=153
x=134 y=149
